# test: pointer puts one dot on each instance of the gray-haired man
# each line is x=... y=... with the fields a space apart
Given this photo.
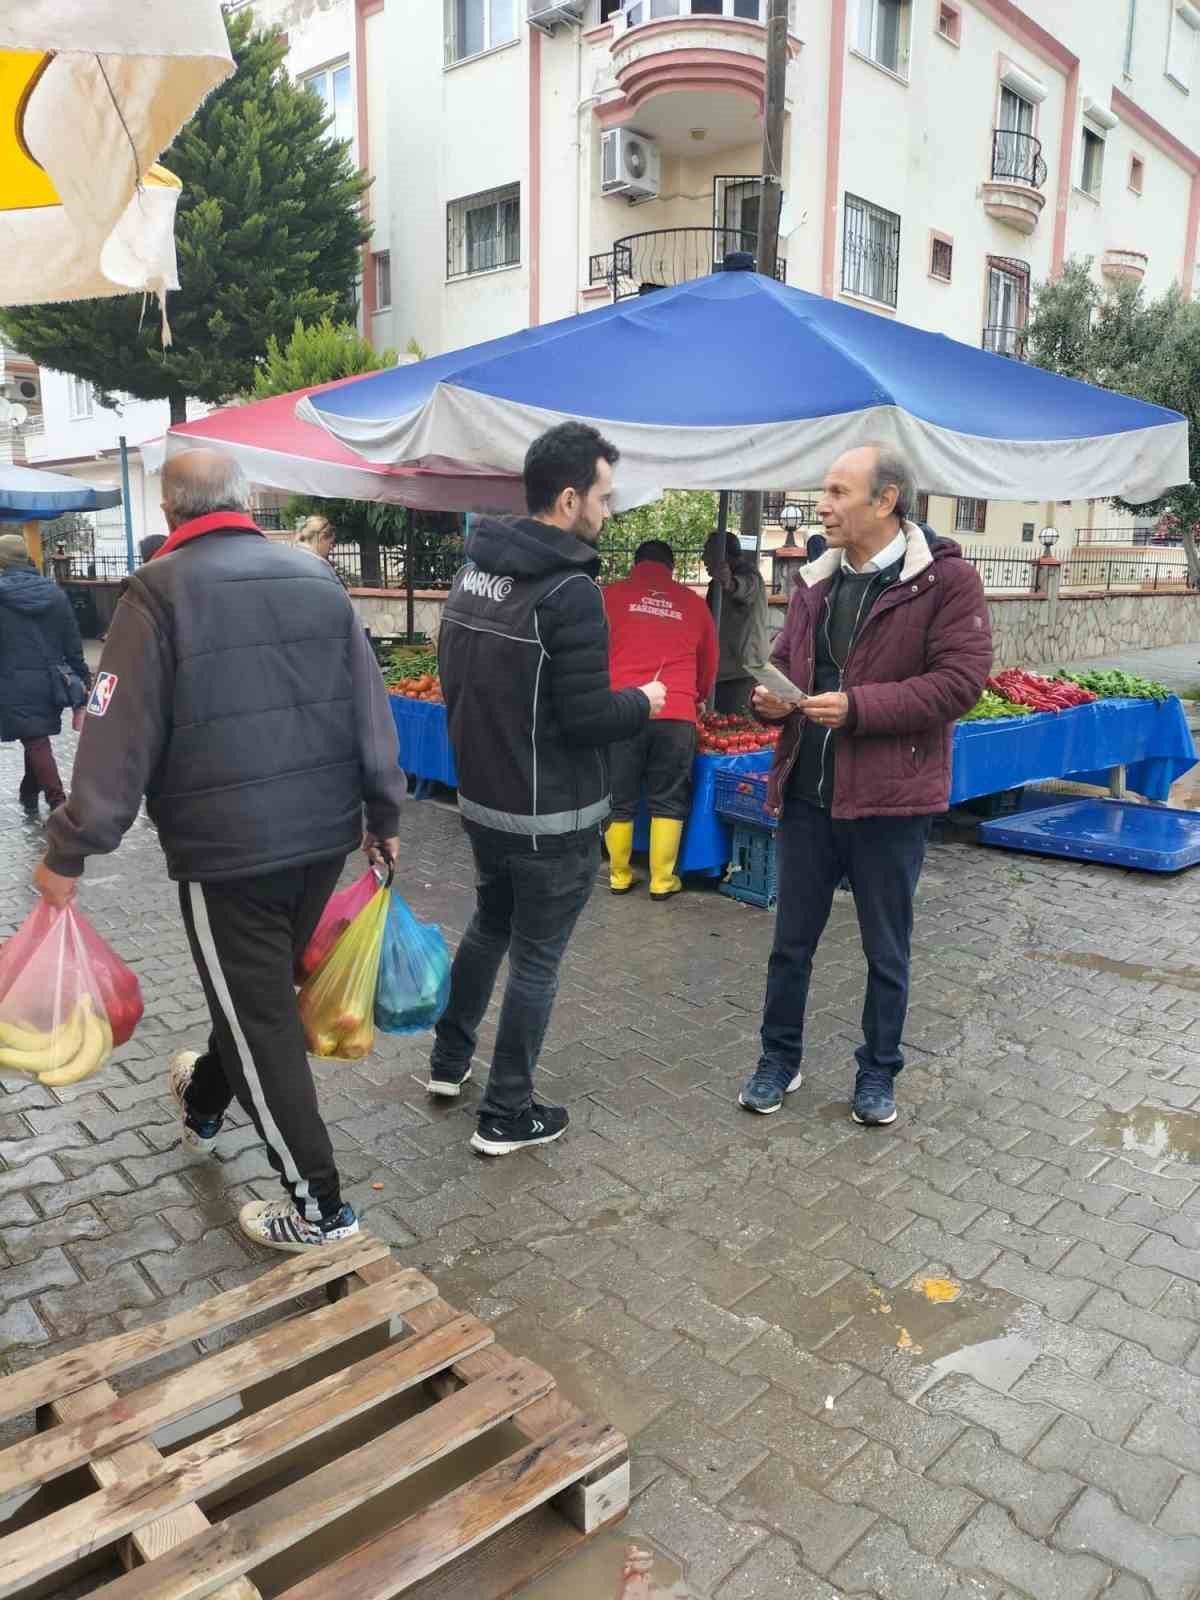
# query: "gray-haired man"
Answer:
x=239 y=694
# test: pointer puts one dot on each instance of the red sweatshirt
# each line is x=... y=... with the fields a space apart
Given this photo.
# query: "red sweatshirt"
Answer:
x=660 y=628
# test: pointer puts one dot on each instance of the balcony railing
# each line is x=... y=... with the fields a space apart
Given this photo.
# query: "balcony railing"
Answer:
x=1017 y=158
x=1129 y=536
x=635 y=12
x=1003 y=341
x=663 y=257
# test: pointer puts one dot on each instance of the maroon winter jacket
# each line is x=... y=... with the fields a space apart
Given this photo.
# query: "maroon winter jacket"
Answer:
x=920 y=661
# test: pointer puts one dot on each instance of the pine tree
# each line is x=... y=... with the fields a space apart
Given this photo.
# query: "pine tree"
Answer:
x=269 y=230
x=319 y=353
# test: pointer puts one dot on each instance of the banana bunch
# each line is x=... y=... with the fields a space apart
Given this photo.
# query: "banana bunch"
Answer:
x=69 y=1053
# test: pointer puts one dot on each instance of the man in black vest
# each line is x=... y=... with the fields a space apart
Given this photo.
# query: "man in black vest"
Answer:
x=238 y=693
x=523 y=655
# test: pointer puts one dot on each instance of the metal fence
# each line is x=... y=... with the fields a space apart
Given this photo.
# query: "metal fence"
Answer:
x=90 y=566
x=1122 y=572
x=663 y=257
x=1134 y=536
x=616 y=558
x=1001 y=568
x=436 y=558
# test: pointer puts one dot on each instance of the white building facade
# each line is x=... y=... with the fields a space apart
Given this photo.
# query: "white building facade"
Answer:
x=940 y=158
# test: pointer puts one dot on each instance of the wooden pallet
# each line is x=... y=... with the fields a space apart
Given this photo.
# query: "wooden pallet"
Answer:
x=483 y=1540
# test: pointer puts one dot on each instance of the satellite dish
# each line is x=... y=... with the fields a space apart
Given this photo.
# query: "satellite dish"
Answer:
x=18 y=414
x=6 y=409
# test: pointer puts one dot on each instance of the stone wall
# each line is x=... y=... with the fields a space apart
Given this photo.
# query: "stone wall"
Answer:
x=1082 y=625
x=1028 y=632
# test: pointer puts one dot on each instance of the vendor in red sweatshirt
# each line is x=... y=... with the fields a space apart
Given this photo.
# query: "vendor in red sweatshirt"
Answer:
x=657 y=629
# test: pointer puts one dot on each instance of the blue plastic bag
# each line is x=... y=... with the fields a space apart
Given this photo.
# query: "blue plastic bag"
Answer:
x=414 y=973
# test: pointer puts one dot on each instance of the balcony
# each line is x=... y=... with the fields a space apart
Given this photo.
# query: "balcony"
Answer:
x=1014 y=195
x=1005 y=341
x=692 y=72
x=1124 y=266
x=663 y=257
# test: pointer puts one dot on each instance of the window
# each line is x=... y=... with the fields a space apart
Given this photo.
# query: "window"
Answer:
x=1007 y=306
x=922 y=508
x=1181 y=46
x=81 y=398
x=949 y=22
x=383 y=279
x=941 y=257
x=883 y=28
x=608 y=9
x=1129 y=28
x=1091 y=170
x=1137 y=174
x=870 y=251
x=970 y=516
x=736 y=203
x=473 y=26
x=331 y=85
x=483 y=231
x=1027 y=532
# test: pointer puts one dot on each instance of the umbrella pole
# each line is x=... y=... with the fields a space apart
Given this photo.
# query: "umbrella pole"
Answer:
x=718 y=592
x=129 y=562
x=410 y=604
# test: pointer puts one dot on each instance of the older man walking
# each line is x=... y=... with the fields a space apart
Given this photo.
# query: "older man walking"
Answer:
x=239 y=694
x=888 y=635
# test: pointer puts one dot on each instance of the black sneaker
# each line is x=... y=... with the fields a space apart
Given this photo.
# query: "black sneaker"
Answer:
x=874 y=1097
x=500 y=1136
x=447 y=1081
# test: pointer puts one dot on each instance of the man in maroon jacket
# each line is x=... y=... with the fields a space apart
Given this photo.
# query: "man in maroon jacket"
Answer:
x=889 y=638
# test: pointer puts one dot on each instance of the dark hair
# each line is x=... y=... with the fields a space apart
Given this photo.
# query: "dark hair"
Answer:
x=564 y=458
x=150 y=546
x=655 y=550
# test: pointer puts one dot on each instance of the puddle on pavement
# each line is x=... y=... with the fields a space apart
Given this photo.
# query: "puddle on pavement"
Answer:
x=995 y=1363
x=927 y=1319
x=1136 y=971
x=601 y=1572
x=1150 y=1131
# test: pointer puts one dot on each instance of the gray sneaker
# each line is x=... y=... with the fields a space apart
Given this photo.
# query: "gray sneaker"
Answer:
x=765 y=1090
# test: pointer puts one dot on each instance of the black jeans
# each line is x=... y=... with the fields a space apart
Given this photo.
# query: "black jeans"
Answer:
x=527 y=905
x=660 y=757
x=246 y=936
x=733 y=694
x=882 y=857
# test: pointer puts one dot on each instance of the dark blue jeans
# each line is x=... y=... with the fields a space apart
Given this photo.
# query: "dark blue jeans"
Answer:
x=882 y=857
x=527 y=906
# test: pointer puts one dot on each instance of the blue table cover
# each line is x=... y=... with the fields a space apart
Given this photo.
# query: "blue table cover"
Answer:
x=1150 y=739
x=424 y=740
x=707 y=838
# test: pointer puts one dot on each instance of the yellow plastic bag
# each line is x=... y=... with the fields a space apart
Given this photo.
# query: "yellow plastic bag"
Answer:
x=337 y=1004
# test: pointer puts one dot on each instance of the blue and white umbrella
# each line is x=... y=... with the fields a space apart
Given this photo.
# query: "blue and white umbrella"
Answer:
x=27 y=495
x=735 y=381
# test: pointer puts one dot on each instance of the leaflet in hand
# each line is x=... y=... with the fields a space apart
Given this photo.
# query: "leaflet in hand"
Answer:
x=774 y=682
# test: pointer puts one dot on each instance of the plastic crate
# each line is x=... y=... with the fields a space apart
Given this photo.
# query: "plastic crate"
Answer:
x=751 y=876
x=742 y=796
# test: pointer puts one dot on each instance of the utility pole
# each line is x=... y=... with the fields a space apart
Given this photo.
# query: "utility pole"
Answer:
x=771 y=201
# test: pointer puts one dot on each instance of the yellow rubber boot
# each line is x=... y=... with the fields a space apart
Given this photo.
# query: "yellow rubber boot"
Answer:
x=665 y=836
x=619 y=841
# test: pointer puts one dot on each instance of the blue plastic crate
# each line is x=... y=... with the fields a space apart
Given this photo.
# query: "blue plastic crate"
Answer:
x=751 y=876
x=742 y=796
x=1151 y=838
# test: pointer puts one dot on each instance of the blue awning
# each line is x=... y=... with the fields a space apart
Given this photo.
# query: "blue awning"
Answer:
x=736 y=381
x=28 y=495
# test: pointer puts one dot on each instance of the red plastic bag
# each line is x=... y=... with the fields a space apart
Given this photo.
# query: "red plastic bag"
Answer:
x=340 y=911
x=58 y=980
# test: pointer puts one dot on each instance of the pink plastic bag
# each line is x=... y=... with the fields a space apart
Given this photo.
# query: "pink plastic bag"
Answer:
x=65 y=998
x=340 y=911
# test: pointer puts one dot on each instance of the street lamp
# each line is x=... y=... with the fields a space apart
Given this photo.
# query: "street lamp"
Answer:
x=790 y=518
x=1049 y=538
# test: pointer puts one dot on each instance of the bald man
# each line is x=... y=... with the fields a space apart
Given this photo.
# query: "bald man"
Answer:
x=238 y=693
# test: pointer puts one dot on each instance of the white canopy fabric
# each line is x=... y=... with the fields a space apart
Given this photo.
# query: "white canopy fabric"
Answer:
x=91 y=93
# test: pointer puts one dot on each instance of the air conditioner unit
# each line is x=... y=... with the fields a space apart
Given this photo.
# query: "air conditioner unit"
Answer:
x=630 y=164
x=24 y=389
x=547 y=14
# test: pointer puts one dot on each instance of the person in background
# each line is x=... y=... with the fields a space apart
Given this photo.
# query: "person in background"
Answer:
x=42 y=670
x=657 y=628
x=149 y=547
x=743 y=627
x=318 y=535
x=891 y=641
x=815 y=546
x=239 y=695
x=523 y=657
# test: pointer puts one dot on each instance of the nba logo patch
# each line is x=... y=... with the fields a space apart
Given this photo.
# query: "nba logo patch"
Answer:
x=102 y=692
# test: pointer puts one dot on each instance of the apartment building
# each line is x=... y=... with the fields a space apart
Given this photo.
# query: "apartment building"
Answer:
x=940 y=157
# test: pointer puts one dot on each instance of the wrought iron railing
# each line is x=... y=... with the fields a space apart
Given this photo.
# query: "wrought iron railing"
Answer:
x=616 y=552
x=89 y=566
x=1123 y=572
x=1005 y=341
x=1017 y=158
x=1128 y=536
x=436 y=558
x=635 y=12
x=1002 y=568
x=663 y=257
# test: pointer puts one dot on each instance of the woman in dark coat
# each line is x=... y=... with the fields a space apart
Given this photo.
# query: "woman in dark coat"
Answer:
x=38 y=636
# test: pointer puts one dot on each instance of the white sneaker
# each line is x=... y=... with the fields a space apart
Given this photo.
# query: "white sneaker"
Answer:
x=279 y=1225
x=197 y=1135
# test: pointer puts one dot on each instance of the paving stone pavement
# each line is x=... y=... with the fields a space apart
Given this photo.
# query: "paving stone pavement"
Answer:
x=737 y=1293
